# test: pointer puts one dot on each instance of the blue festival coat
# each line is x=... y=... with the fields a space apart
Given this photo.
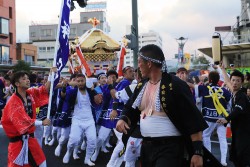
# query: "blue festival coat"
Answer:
x=105 y=119
x=69 y=104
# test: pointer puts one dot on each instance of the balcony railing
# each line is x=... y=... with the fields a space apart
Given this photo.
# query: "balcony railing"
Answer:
x=14 y=62
x=237 y=39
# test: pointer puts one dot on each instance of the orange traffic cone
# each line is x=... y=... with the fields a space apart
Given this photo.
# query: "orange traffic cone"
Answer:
x=229 y=133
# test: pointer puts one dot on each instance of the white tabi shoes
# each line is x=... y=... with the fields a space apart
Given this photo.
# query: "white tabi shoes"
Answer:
x=58 y=151
x=95 y=155
x=88 y=162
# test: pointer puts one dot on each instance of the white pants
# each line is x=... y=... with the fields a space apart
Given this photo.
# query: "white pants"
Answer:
x=56 y=132
x=78 y=128
x=133 y=150
x=102 y=136
x=44 y=164
x=47 y=131
x=39 y=134
x=115 y=159
x=221 y=131
x=64 y=135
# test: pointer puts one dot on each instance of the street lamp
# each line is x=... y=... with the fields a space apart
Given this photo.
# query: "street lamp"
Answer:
x=181 y=42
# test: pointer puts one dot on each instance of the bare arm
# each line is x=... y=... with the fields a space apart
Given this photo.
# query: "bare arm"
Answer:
x=226 y=78
x=190 y=85
x=197 y=160
x=48 y=83
x=112 y=93
x=196 y=136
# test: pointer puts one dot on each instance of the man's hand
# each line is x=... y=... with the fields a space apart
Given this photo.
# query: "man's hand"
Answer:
x=196 y=161
x=113 y=114
x=222 y=121
x=214 y=66
x=46 y=122
x=98 y=98
x=10 y=72
x=122 y=126
x=53 y=69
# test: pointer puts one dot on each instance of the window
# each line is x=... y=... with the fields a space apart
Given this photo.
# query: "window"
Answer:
x=10 y=12
x=50 y=49
x=42 y=49
x=28 y=59
x=46 y=32
x=73 y=31
x=4 y=54
x=4 y=26
x=33 y=34
x=11 y=38
x=85 y=19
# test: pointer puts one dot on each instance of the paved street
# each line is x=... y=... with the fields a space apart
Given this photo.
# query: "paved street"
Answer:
x=53 y=161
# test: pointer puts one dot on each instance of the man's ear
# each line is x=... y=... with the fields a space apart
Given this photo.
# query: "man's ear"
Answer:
x=149 y=63
x=17 y=84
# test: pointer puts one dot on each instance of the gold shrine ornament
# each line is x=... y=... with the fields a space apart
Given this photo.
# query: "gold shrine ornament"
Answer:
x=94 y=21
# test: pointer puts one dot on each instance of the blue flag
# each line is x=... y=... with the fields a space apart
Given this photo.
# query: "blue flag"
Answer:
x=62 y=41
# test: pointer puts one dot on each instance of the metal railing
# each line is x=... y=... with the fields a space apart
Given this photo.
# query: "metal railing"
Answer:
x=14 y=62
x=237 y=39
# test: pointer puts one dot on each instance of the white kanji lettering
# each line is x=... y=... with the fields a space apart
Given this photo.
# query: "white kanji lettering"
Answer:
x=68 y=3
x=65 y=31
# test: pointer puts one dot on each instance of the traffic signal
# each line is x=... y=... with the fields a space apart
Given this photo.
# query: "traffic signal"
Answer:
x=81 y=3
x=72 y=6
x=132 y=44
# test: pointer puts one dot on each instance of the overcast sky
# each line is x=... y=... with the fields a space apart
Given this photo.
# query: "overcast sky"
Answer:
x=193 y=19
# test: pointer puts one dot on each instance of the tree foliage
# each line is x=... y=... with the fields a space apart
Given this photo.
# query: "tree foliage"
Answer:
x=22 y=66
x=201 y=63
x=201 y=60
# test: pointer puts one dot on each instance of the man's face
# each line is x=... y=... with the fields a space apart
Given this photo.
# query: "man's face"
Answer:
x=236 y=83
x=248 y=92
x=7 y=82
x=113 y=76
x=144 y=68
x=137 y=77
x=182 y=75
x=45 y=79
x=81 y=82
x=129 y=74
x=23 y=82
x=103 y=80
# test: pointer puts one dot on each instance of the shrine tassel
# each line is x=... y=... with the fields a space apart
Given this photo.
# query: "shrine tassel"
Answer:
x=83 y=61
x=121 y=61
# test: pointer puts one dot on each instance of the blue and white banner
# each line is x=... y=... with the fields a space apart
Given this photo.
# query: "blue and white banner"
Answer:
x=62 y=42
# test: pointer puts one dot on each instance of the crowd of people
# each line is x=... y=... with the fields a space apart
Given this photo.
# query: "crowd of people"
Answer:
x=160 y=118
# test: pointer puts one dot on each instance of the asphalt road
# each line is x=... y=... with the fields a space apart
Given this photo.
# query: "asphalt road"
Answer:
x=53 y=161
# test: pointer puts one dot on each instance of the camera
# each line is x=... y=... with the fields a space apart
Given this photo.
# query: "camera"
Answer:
x=231 y=65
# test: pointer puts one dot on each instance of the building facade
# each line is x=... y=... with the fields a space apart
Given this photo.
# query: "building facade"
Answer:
x=44 y=36
x=237 y=50
x=27 y=52
x=7 y=31
x=150 y=37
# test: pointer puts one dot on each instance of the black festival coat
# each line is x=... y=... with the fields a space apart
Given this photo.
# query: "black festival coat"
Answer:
x=178 y=103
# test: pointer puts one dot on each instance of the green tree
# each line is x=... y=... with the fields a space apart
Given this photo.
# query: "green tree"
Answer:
x=22 y=66
x=201 y=62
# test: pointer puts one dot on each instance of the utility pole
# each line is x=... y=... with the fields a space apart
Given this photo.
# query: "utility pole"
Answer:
x=135 y=30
